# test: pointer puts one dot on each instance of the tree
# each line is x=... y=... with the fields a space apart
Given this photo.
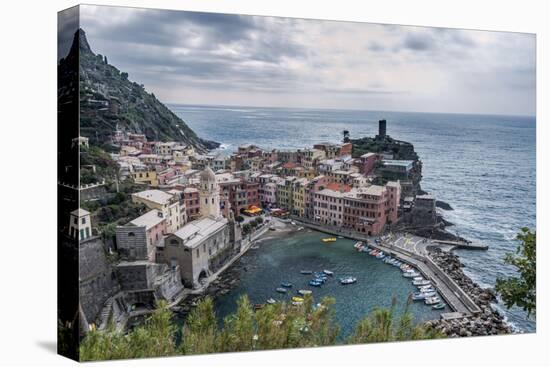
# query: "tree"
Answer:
x=521 y=290
x=275 y=326
x=155 y=338
x=381 y=326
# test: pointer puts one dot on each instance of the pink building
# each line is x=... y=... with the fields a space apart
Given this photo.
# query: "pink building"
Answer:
x=192 y=203
x=368 y=162
x=165 y=175
x=365 y=209
x=155 y=228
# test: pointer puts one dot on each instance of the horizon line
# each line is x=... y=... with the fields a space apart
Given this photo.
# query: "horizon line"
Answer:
x=355 y=109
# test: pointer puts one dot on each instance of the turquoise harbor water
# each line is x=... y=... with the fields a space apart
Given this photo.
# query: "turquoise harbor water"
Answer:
x=484 y=166
x=281 y=259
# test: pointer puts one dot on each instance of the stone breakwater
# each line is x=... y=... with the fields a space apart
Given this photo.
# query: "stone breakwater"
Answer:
x=488 y=322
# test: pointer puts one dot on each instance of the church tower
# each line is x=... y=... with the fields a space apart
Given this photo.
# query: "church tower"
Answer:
x=209 y=194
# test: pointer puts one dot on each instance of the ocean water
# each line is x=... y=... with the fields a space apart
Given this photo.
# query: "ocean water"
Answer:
x=482 y=165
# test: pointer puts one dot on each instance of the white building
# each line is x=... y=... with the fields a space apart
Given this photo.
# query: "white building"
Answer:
x=80 y=226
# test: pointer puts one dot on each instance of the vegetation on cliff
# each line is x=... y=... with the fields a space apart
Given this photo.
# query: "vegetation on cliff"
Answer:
x=109 y=99
x=276 y=326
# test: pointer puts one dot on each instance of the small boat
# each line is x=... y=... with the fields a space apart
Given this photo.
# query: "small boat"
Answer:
x=315 y=283
x=340 y=236
x=255 y=247
x=426 y=290
x=259 y=306
x=358 y=244
x=297 y=299
x=439 y=306
x=348 y=280
x=271 y=301
x=286 y=285
x=432 y=301
x=300 y=228
x=418 y=278
x=329 y=239
x=412 y=274
x=417 y=296
x=281 y=290
x=304 y=292
x=420 y=283
x=272 y=229
x=380 y=255
x=306 y=272
x=328 y=272
x=293 y=223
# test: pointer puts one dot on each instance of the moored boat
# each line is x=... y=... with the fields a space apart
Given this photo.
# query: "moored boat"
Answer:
x=439 y=306
x=420 y=283
x=306 y=272
x=281 y=290
x=304 y=292
x=286 y=285
x=297 y=299
x=271 y=301
x=432 y=300
x=329 y=239
x=348 y=280
x=259 y=306
x=328 y=272
x=411 y=274
x=315 y=283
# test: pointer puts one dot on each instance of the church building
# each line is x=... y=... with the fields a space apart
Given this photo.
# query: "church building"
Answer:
x=203 y=246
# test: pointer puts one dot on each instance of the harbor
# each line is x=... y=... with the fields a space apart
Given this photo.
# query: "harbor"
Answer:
x=304 y=256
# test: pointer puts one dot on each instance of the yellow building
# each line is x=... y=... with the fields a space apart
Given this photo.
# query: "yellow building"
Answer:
x=299 y=197
x=148 y=177
x=171 y=204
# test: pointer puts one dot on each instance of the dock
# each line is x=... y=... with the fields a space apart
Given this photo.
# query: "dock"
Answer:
x=462 y=244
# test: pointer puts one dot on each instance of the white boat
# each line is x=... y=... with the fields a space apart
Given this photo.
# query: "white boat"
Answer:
x=421 y=282
x=418 y=278
x=432 y=300
x=328 y=272
x=271 y=301
x=348 y=280
x=411 y=274
x=303 y=292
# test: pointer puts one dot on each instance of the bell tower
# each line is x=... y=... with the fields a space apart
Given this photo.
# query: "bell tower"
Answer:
x=209 y=194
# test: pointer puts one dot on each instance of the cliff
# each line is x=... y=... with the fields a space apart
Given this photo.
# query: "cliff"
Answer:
x=109 y=99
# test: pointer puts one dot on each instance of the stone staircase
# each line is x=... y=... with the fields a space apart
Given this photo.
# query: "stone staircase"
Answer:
x=105 y=314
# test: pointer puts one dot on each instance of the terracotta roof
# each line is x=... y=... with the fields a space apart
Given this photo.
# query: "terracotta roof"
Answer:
x=338 y=187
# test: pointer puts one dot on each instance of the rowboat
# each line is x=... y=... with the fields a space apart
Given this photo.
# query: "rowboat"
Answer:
x=439 y=306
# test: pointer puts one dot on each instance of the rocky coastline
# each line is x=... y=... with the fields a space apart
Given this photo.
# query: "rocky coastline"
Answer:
x=488 y=322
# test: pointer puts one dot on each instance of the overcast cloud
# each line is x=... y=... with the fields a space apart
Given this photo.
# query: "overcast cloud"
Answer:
x=201 y=58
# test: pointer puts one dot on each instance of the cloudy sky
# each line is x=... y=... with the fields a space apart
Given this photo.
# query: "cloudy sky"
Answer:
x=201 y=58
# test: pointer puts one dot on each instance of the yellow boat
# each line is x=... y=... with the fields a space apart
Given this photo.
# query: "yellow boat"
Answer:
x=297 y=299
x=329 y=239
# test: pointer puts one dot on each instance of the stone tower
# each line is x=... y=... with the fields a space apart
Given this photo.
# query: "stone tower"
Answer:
x=382 y=129
x=209 y=193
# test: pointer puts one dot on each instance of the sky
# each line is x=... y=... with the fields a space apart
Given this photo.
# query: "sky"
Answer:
x=220 y=59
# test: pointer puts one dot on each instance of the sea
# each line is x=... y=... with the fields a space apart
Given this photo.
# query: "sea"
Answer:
x=484 y=166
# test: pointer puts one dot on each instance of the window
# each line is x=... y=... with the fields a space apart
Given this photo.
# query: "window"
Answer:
x=83 y=220
x=131 y=234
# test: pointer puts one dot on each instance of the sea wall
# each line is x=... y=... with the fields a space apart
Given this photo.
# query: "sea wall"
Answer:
x=487 y=322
